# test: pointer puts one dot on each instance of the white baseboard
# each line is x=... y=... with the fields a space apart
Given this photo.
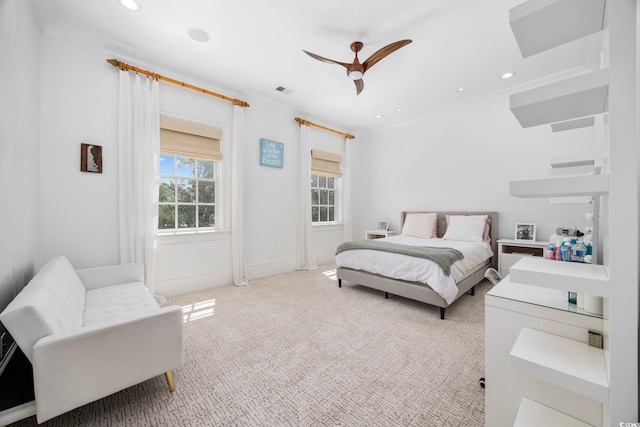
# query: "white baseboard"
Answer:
x=17 y=413
x=199 y=282
x=326 y=257
x=271 y=268
x=183 y=285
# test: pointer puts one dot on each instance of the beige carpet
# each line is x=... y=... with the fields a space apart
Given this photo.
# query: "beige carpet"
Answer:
x=296 y=350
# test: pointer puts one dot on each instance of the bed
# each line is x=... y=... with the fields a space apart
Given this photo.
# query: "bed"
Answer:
x=353 y=269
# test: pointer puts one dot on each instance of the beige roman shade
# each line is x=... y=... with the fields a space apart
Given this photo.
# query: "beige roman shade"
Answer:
x=189 y=139
x=324 y=163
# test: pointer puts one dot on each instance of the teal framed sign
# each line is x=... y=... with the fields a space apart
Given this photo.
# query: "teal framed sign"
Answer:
x=271 y=153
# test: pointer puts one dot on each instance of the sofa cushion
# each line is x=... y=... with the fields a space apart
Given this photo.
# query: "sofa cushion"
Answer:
x=53 y=301
x=117 y=302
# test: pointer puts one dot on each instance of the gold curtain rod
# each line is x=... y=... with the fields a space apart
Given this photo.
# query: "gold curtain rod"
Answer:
x=308 y=123
x=126 y=67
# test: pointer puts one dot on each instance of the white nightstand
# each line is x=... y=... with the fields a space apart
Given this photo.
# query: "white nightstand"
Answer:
x=511 y=251
x=377 y=234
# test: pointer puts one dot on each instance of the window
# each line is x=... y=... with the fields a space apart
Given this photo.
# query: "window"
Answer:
x=187 y=193
x=189 y=157
x=325 y=173
x=323 y=198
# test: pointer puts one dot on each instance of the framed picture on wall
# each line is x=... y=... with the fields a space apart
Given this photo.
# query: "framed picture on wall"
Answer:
x=91 y=158
x=525 y=231
x=382 y=225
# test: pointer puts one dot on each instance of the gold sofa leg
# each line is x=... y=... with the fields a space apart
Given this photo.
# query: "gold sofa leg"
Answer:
x=169 y=377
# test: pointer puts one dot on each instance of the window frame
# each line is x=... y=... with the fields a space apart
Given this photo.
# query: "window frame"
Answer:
x=336 y=198
x=176 y=203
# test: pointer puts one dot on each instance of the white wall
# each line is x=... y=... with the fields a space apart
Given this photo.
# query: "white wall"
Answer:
x=463 y=159
x=19 y=146
x=79 y=104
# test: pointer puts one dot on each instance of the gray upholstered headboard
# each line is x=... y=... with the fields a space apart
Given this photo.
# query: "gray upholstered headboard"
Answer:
x=442 y=226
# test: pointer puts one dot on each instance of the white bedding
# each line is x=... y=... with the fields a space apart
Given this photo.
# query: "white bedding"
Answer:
x=414 y=269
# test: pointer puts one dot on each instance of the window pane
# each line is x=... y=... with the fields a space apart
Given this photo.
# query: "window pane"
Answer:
x=314 y=197
x=206 y=192
x=186 y=167
x=314 y=214
x=206 y=216
x=331 y=182
x=205 y=169
x=332 y=195
x=322 y=182
x=186 y=216
x=323 y=197
x=187 y=190
x=323 y=213
x=166 y=165
x=331 y=214
x=166 y=217
x=314 y=180
x=167 y=191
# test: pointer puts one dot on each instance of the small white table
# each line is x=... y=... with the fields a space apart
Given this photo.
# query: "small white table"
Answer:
x=377 y=234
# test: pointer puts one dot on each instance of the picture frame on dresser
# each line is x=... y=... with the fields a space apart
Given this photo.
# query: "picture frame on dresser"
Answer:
x=382 y=226
x=525 y=231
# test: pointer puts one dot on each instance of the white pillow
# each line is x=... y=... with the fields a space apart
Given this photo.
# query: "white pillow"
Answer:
x=419 y=225
x=469 y=228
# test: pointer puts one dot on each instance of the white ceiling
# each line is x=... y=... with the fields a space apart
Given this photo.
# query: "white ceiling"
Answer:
x=256 y=46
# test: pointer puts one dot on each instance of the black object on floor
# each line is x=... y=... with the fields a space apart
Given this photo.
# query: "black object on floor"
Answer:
x=16 y=382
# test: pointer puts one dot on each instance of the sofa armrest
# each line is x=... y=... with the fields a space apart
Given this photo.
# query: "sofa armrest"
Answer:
x=73 y=369
x=99 y=277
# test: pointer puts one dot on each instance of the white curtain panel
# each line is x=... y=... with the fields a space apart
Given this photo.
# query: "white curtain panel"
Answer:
x=237 y=218
x=346 y=192
x=138 y=163
x=306 y=258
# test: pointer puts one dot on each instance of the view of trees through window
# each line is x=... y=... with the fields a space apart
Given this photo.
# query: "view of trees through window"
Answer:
x=187 y=193
x=323 y=198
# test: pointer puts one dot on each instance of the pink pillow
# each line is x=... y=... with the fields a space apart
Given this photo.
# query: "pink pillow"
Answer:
x=485 y=234
x=434 y=233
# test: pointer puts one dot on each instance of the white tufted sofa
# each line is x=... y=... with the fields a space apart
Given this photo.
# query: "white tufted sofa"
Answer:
x=90 y=333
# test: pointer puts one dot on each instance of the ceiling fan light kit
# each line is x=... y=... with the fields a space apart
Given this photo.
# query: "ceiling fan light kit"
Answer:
x=356 y=70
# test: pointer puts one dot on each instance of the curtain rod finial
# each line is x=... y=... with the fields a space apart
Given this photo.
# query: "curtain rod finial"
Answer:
x=114 y=62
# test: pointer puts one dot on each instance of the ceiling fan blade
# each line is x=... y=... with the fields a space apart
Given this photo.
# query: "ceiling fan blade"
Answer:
x=327 y=60
x=377 y=56
x=359 y=86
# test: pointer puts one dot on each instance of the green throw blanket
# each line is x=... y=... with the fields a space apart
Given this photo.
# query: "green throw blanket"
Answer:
x=444 y=257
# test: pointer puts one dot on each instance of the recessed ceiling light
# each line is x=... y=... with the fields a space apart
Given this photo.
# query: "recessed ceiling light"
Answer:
x=460 y=89
x=130 y=4
x=379 y=116
x=398 y=109
x=199 y=35
x=507 y=75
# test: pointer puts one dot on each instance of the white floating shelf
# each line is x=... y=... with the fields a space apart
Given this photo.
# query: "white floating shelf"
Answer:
x=571 y=161
x=573 y=124
x=561 y=186
x=580 y=96
x=589 y=279
x=534 y=414
x=566 y=363
x=582 y=200
x=539 y=25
